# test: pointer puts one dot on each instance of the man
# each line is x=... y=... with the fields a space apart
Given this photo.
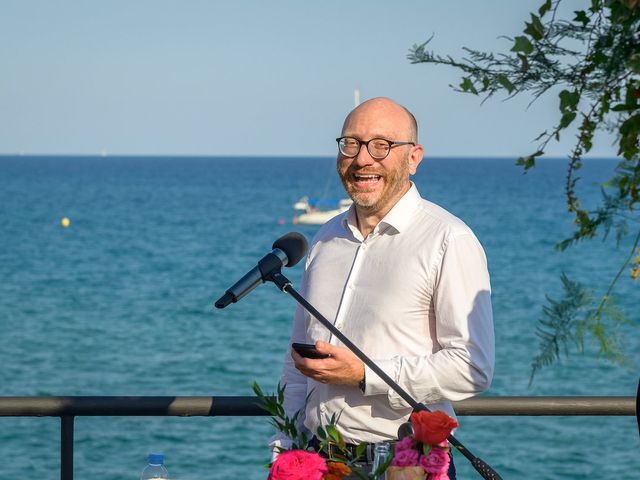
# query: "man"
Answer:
x=402 y=278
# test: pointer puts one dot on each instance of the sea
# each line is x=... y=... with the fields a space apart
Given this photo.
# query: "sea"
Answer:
x=120 y=302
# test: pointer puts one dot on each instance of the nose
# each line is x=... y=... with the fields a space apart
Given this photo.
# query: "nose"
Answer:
x=363 y=158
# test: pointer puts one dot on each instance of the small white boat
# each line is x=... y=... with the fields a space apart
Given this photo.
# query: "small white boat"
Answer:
x=318 y=212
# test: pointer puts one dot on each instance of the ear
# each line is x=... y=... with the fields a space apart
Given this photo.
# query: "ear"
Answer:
x=415 y=157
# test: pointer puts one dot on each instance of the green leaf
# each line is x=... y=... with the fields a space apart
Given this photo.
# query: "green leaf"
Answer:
x=272 y=409
x=581 y=17
x=504 y=81
x=623 y=107
x=569 y=101
x=467 y=86
x=546 y=6
x=629 y=132
x=281 y=389
x=257 y=390
x=526 y=162
x=529 y=161
x=333 y=433
x=535 y=29
x=522 y=44
x=630 y=96
x=566 y=119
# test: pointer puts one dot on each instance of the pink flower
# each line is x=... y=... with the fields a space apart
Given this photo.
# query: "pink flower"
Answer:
x=439 y=476
x=405 y=458
x=405 y=444
x=298 y=465
x=436 y=462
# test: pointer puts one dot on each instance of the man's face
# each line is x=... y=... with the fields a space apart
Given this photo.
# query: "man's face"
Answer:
x=376 y=185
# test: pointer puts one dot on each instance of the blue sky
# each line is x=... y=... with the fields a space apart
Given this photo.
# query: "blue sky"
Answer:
x=250 y=77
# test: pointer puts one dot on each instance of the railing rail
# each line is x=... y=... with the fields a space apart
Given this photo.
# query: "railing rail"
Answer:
x=246 y=406
x=67 y=408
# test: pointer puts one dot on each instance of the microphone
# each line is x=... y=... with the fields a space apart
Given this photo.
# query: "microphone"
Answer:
x=287 y=251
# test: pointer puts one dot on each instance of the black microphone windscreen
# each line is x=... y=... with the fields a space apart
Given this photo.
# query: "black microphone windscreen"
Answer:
x=294 y=245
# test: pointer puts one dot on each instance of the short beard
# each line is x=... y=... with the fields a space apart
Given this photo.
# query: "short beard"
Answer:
x=393 y=178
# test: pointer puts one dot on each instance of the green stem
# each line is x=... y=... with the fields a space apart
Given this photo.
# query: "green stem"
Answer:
x=617 y=277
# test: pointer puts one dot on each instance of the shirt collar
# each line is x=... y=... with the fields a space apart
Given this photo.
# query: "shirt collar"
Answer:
x=398 y=218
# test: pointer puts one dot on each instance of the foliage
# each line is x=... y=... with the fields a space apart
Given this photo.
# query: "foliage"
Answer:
x=274 y=405
x=329 y=436
x=426 y=447
x=593 y=63
x=566 y=321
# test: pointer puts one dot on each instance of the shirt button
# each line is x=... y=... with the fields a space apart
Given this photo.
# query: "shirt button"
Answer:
x=323 y=409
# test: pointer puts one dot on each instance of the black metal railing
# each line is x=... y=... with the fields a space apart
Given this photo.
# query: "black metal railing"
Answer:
x=67 y=408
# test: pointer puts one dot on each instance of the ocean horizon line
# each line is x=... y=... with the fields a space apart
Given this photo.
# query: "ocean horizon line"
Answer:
x=270 y=156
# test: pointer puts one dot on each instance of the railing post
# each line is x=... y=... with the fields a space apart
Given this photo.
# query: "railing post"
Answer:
x=66 y=447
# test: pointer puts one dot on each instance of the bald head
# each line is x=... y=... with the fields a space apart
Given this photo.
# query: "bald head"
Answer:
x=382 y=114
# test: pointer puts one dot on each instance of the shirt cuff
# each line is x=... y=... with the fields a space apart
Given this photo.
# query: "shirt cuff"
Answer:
x=374 y=384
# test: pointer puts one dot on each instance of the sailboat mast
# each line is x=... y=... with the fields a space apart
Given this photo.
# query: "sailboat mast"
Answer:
x=356 y=97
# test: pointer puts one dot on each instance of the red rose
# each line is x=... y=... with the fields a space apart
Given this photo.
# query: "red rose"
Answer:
x=432 y=427
x=298 y=465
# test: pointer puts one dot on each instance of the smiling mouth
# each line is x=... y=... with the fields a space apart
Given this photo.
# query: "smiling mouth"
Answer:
x=365 y=179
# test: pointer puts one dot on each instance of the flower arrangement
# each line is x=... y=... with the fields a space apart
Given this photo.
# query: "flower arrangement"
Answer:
x=425 y=454
x=421 y=456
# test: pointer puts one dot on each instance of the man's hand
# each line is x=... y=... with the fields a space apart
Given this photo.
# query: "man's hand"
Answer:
x=341 y=368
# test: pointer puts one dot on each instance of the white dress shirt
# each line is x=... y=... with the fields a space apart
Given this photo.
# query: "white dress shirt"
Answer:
x=415 y=297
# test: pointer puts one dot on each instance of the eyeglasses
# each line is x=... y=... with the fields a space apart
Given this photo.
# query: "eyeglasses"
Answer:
x=378 y=148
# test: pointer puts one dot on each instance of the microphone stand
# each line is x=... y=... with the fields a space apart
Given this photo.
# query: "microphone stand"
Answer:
x=286 y=286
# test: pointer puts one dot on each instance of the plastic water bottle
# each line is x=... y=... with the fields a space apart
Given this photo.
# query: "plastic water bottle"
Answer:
x=380 y=455
x=155 y=469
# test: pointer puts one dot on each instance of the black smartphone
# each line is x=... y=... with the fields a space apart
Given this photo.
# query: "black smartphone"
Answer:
x=308 y=350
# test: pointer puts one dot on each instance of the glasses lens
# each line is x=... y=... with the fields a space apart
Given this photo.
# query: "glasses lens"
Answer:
x=378 y=148
x=349 y=146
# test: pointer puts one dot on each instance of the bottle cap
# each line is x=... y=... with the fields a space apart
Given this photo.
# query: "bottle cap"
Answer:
x=156 y=458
